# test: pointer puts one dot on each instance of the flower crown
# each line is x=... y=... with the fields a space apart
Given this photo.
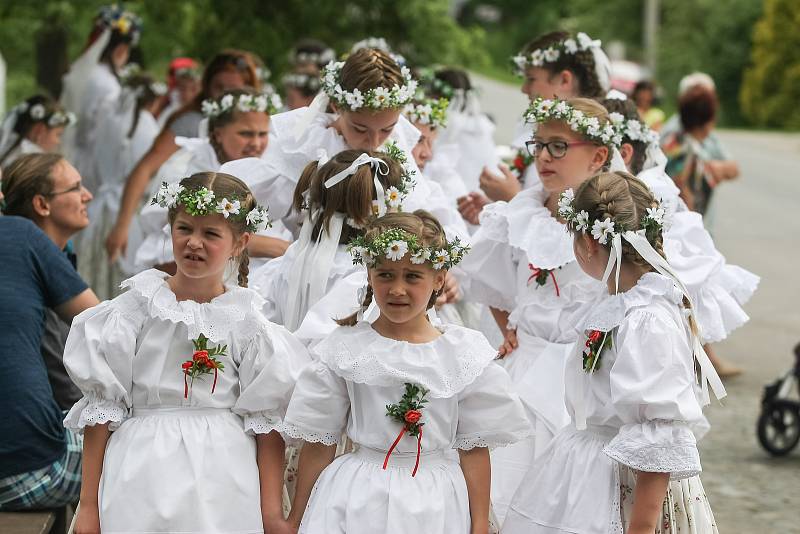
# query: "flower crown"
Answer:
x=432 y=111
x=322 y=58
x=544 y=110
x=375 y=99
x=200 y=202
x=395 y=196
x=300 y=80
x=393 y=244
x=116 y=18
x=634 y=130
x=651 y=225
x=554 y=52
x=38 y=112
x=262 y=103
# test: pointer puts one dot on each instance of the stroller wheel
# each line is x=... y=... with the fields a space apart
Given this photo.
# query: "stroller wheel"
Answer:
x=779 y=427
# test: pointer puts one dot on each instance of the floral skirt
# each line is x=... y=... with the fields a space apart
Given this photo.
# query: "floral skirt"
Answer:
x=686 y=509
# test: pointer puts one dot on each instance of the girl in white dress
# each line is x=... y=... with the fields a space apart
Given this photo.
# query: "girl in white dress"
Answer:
x=123 y=137
x=92 y=85
x=238 y=127
x=435 y=160
x=225 y=72
x=468 y=129
x=635 y=382
x=366 y=94
x=406 y=392
x=523 y=267
x=718 y=289
x=178 y=374
x=32 y=127
x=554 y=65
x=317 y=275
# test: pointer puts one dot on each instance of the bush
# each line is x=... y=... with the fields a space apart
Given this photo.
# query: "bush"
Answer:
x=771 y=87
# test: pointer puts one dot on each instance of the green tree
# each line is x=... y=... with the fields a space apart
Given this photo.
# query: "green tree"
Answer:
x=771 y=87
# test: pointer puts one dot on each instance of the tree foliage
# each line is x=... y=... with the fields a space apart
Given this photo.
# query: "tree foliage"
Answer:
x=771 y=87
x=422 y=30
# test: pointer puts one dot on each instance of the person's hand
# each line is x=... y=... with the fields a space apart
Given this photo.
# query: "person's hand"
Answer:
x=509 y=344
x=88 y=520
x=450 y=292
x=497 y=187
x=116 y=243
x=471 y=205
x=278 y=526
x=721 y=171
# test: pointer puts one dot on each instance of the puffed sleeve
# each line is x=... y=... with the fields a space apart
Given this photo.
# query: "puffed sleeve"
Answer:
x=489 y=413
x=271 y=364
x=319 y=407
x=491 y=271
x=652 y=389
x=99 y=359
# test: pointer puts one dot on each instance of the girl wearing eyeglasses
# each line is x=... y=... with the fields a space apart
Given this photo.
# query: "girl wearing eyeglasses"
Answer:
x=522 y=265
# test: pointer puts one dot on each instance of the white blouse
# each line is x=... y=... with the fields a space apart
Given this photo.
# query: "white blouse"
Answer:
x=127 y=353
x=359 y=372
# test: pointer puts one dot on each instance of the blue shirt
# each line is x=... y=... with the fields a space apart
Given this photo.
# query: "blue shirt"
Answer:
x=34 y=275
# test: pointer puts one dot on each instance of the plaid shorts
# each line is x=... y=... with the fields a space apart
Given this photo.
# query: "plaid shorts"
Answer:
x=53 y=486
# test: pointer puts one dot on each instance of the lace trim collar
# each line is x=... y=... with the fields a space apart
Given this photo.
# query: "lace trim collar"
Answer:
x=233 y=312
x=611 y=311
x=525 y=223
x=444 y=366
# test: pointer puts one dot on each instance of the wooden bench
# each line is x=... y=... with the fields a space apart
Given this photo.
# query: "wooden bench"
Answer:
x=38 y=522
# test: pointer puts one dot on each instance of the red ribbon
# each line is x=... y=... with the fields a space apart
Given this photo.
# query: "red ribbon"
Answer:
x=537 y=271
x=396 y=441
x=185 y=385
x=214 y=385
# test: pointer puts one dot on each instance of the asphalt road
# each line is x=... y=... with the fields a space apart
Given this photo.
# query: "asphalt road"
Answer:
x=756 y=226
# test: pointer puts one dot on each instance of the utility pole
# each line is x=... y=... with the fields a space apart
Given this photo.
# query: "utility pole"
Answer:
x=650 y=44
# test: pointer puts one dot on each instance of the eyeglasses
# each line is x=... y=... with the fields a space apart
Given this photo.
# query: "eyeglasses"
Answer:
x=77 y=188
x=557 y=149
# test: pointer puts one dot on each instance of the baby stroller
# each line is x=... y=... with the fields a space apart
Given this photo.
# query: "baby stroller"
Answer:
x=779 y=422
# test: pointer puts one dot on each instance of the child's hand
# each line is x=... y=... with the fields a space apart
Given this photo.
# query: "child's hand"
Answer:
x=497 y=187
x=278 y=526
x=470 y=207
x=509 y=344
x=88 y=521
x=450 y=292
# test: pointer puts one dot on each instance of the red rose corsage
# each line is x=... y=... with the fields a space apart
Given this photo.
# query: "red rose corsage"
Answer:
x=596 y=341
x=540 y=277
x=408 y=412
x=203 y=362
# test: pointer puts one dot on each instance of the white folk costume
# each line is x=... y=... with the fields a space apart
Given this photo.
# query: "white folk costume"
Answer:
x=115 y=155
x=472 y=134
x=180 y=458
x=718 y=289
x=358 y=373
x=24 y=148
x=100 y=90
x=639 y=410
x=292 y=151
x=520 y=242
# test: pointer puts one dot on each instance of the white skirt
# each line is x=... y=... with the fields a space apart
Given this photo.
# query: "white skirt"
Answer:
x=575 y=488
x=536 y=369
x=180 y=470
x=354 y=495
